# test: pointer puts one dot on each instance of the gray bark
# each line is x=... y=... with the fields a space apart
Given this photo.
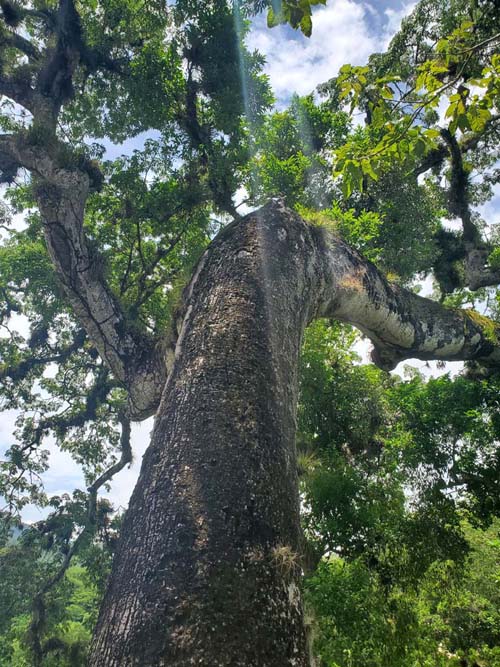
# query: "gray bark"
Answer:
x=136 y=361
x=208 y=568
x=139 y=362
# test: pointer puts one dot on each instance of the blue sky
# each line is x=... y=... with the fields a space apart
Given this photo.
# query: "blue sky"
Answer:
x=345 y=31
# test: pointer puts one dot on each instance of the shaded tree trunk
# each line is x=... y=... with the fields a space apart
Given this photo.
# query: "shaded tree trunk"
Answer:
x=208 y=567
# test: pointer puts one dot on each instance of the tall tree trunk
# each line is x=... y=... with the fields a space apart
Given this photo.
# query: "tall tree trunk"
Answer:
x=207 y=571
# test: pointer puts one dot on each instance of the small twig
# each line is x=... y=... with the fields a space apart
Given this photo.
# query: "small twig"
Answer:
x=477 y=46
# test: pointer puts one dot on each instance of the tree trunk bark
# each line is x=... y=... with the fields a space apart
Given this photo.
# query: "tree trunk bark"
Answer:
x=208 y=571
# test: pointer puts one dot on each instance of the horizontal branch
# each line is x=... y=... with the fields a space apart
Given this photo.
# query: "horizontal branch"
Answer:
x=22 y=44
x=437 y=156
x=18 y=92
x=20 y=370
x=401 y=324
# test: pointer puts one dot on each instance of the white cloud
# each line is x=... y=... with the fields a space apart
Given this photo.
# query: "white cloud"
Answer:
x=394 y=18
x=18 y=323
x=490 y=210
x=297 y=64
x=342 y=33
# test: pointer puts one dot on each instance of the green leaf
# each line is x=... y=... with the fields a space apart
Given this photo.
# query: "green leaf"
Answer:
x=273 y=19
x=367 y=168
x=306 y=25
x=463 y=122
x=378 y=116
x=353 y=176
x=451 y=110
x=419 y=147
x=387 y=93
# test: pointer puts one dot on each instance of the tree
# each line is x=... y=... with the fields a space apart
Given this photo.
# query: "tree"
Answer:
x=446 y=621
x=393 y=562
x=211 y=542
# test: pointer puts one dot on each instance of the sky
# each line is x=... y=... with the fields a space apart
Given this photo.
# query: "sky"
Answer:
x=345 y=31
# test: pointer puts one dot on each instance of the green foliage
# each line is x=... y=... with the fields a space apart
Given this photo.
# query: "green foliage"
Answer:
x=454 y=431
x=153 y=229
x=389 y=469
x=357 y=623
x=361 y=231
x=447 y=621
x=27 y=561
x=401 y=90
x=69 y=627
x=289 y=153
x=399 y=214
x=298 y=13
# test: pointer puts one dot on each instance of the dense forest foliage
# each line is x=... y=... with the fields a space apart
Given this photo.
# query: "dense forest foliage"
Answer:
x=400 y=473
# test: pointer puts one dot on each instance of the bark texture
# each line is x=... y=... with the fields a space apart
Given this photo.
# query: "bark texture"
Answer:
x=208 y=569
x=400 y=324
x=139 y=362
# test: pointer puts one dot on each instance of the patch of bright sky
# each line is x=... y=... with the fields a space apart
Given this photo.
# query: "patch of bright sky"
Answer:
x=114 y=151
x=490 y=210
x=344 y=31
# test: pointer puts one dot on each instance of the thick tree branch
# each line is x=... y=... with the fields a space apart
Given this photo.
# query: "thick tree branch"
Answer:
x=401 y=324
x=478 y=273
x=21 y=44
x=61 y=191
x=54 y=66
x=437 y=156
x=17 y=91
x=135 y=359
x=434 y=158
x=458 y=196
x=13 y=14
x=46 y=83
x=476 y=251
